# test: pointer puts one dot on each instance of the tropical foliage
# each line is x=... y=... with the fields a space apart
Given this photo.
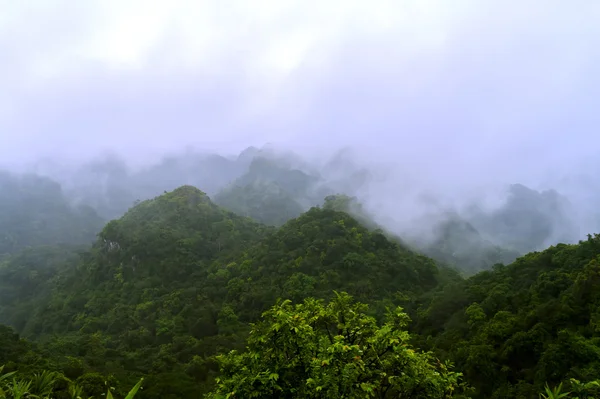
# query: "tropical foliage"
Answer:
x=313 y=350
x=515 y=328
x=199 y=300
x=47 y=385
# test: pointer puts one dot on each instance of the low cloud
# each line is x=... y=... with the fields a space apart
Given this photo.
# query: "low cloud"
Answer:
x=456 y=99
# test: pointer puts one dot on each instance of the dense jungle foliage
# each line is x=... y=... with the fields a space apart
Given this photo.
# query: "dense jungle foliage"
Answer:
x=317 y=302
x=34 y=211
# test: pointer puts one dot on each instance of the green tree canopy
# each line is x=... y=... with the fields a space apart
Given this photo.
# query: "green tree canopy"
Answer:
x=334 y=350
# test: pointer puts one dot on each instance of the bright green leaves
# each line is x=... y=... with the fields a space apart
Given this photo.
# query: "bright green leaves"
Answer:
x=47 y=385
x=475 y=314
x=334 y=350
x=512 y=329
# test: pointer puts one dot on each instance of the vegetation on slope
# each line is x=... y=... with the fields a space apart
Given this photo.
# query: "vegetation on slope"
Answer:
x=324 y=250
x=111 y=186
x=34 y=211
x=49 y=384
x=516 y=327
x=140 y=299
x=263 y=201
x=177 y=281
x=27 y=281
x=459 y=244
x=269 y=192
x=336 y=350
x=529 y=220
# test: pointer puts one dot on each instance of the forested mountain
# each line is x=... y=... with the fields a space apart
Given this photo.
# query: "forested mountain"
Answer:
x=177 y=281
x=269 y=193
x=263 y=201
x=456 y=242
x=27 y=280
x=516 y=327
x=34 y=211
x=272 y=187
x=111 y=186
x=529 y=220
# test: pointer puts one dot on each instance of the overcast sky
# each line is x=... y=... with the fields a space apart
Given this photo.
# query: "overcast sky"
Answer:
x=461 y=89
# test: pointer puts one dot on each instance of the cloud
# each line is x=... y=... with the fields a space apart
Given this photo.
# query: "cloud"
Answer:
x=454 y=93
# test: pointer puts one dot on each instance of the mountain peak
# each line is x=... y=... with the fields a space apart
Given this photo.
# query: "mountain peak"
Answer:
x=189 y=192
x=183 y=218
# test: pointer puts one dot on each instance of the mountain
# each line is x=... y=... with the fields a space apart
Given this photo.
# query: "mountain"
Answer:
x=27 y=279
x=142 y=298
x=323 y=250
x=294 y=181
x=455 y=242
x=184 y=224
x=515 y=328
x=177 y=279
x=259 y=181
x=111 y=186
x=270 y=192
x=34 y=211
x=263 y=201
x=529 y=220
x=459 y=244
x=16 y=351
x=209 y=171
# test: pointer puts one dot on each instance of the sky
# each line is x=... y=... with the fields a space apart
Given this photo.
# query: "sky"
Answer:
x=454 y=93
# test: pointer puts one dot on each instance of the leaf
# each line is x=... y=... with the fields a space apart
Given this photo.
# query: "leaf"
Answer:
x=134 y=390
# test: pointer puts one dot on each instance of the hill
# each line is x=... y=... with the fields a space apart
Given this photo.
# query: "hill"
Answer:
x=27 y=279
x=457 y=243
x=34 y=211
x=263 y=201
x=140 y=300
x=183 y=227
x=320 y=251
x=111 y=186
x=177 y=279
x=528 y=220
x=516 y=327
x=270 y=192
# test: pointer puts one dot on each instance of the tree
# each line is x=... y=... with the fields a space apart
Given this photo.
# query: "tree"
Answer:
x=334 y=350
x=47 y=384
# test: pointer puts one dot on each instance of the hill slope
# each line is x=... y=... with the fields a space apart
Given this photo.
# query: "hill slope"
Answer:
x=321 y=251
x=516 y=327
x=140 y=300
x=264 y=201
x=459 y=244
x=34 y=211
x=177 y=280
x=529 y=220
x=269 y=192
x=27 y=282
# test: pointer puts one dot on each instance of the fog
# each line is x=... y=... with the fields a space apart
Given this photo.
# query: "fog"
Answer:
x=444 y=103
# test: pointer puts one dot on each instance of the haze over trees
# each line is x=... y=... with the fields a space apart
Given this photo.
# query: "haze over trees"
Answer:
x=273 y=187
x=35 y=211
x=279 y=199
x=286 y=286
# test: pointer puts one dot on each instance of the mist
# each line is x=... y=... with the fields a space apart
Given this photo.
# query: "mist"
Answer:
x=436 y=107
